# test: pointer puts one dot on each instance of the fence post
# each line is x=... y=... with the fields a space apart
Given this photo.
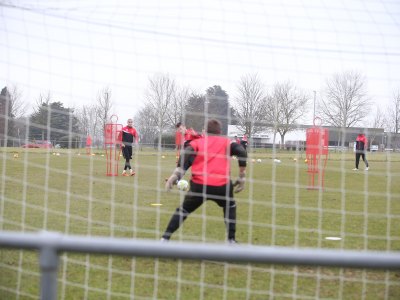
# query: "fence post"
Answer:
x=48 y=260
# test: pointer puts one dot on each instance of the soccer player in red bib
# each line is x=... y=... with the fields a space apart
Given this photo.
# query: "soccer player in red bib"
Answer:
x=361 y=149
x=183 y=136
x=179 y=136
x=209 y=157
x=129 y=135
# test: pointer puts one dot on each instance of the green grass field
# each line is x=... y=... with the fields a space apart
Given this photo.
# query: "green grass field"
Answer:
x=70 y=193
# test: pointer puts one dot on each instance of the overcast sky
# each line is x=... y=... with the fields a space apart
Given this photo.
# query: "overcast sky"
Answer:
x=75 y=48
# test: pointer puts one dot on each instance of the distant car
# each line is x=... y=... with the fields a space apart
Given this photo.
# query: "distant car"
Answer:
x=374 y=148
x=39 y=144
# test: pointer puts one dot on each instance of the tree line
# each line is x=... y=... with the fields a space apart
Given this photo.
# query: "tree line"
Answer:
x=51 y=121
x=254 y=108
x=344 y=103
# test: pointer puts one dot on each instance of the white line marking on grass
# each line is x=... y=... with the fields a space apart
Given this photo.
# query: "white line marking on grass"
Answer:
x=333 y=238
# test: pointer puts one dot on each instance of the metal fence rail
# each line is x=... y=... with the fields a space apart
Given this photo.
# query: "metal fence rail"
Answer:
x=51 y=244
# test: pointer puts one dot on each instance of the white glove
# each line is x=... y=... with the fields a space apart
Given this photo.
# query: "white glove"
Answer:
x=174 y=178
x=239 y=183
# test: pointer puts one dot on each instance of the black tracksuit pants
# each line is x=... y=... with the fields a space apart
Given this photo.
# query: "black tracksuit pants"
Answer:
x=198 y=193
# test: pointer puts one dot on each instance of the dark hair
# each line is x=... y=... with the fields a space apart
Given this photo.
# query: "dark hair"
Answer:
x=214 y=126
x=178 y=124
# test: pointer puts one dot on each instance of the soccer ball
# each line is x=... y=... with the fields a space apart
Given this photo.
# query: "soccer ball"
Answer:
x=182 y=185
x=259 y=160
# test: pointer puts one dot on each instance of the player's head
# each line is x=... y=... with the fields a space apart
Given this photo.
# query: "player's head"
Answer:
x=214 y=126
x=130 y=122
x=179 y=126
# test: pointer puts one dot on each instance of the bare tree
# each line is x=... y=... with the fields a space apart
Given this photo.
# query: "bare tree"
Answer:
x=15 y=109
x=146 y=124
x=393 y=117
x=160 y=96
x=345 y=103
x=394 y=113
x=103 y=108
x=378 y=121
x=250 y=104
x=42 y=99
x=89 y=123
x=177 y=108
x=18 y=107
x=285 y=108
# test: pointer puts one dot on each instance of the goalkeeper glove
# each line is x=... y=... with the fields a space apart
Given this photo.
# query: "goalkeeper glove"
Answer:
x=174 y=178
x=239 y=183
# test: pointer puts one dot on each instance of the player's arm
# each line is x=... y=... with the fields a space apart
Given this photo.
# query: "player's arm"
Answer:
x=136 y=137
x=180 y=170
x=241 y=154
x=188 y=155
x=239 y=151
x=122 y=138
x=119 y=137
